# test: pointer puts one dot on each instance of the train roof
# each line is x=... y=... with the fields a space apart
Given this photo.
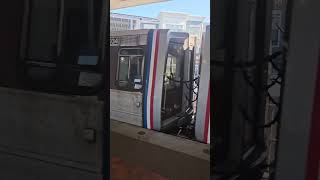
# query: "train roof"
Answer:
x=130 y=32
x=142 y=32
x=139 y=37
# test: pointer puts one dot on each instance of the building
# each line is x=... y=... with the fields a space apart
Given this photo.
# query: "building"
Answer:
x=121 y=22
x=175 y=21
x=172 y=20
x=205 y=25
x=183 y=22
x=194 y=26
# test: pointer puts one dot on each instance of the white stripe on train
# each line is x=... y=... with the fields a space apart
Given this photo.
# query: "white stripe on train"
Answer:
x=151 y=79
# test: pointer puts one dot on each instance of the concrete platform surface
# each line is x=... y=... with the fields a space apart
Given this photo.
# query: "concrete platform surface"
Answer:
x=138 y=153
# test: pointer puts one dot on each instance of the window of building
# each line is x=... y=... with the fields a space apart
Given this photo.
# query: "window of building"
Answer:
x=194 y=23
x=148 y=26
x=174 y=27
x=195 y=31
x=130 y=67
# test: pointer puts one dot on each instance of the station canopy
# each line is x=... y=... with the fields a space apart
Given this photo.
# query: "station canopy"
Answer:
x=119 y=4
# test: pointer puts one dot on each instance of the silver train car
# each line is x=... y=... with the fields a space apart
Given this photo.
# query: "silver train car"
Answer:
x=152 y=79
x=146 y=67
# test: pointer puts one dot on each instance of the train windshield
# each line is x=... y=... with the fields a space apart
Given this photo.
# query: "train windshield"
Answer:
x=130 y=68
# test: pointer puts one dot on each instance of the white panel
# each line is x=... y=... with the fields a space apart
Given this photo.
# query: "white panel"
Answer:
x=126 y=107
x=162 y=52
x=203 y=88
x=50 y=126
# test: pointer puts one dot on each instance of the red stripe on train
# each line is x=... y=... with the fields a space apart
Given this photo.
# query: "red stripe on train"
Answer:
x=154 y=78
x=312 y=171
x=207 y=118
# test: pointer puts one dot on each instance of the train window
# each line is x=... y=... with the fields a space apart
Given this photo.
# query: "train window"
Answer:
x=173 y=65
x=171 y=68
x=76 y=16
x=132 y=52
x=135 y=67
x=43 y=34
x=130 y=68
x=123 y=68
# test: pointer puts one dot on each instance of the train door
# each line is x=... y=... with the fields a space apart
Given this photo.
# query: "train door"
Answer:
x=148 y=71
x=176 y=74
x=202 y=125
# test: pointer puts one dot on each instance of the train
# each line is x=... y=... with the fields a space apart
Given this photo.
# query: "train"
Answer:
x=152 y=81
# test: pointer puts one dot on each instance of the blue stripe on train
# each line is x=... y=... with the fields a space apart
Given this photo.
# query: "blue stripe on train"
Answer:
x=146 y=84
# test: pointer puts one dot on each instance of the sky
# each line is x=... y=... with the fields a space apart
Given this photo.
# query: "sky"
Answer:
x=194 y=7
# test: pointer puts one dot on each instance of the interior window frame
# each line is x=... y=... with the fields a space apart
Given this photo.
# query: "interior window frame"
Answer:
x=129 y=64
x=26 y=41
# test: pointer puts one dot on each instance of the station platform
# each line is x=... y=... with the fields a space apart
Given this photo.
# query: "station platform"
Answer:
x=138 y=153
x=123 y=171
